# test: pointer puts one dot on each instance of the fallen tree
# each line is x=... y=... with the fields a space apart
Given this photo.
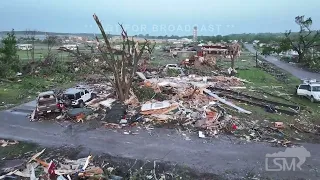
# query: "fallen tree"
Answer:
x=122 y=64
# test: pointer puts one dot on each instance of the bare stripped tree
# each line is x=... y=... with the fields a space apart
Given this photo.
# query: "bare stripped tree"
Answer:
x=26 y=34
x=122 y=64
x=143 y=65
x=233 y=51
x=31 y=36
x=51 y=41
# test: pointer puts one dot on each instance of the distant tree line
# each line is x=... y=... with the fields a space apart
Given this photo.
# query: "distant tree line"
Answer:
x=262 y=37
x=249 y=37
x=37 y=33
x=245 y=37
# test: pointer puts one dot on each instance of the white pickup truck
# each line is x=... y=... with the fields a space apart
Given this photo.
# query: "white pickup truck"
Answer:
x=311 y=90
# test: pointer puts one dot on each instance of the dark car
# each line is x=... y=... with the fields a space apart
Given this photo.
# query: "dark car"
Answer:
x=47 y=102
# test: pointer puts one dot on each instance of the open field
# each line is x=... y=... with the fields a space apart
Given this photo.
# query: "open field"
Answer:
x=41 y=54
x=41 y=51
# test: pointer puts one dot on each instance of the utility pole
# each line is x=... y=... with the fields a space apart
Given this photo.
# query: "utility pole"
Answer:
x=256 y=58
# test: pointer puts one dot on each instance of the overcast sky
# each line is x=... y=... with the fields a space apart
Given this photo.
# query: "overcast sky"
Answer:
x=161 y=17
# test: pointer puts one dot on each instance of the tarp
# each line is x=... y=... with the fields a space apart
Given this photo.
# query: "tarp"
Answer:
x=76 y=111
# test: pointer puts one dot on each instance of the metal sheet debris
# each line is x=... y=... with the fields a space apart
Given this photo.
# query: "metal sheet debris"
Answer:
x=141 y=75
x=155 y=106
x=226 y=102
x=107 y=103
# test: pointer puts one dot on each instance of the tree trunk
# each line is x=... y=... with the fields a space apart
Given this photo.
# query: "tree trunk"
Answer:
x=32 y=50
x=28 y=55
x=300 y=57
x=32 y=53
x=119 y=91
x=232 y=62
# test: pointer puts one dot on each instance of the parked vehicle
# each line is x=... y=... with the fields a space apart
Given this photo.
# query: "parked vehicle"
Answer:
x=172 y=66
x=78 y=96
x=24 y=47
x=72 y=47
x=47 y=102
x=310 y=90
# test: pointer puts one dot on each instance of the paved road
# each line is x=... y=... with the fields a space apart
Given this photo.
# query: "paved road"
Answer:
x=218 y=156
x=295 y=71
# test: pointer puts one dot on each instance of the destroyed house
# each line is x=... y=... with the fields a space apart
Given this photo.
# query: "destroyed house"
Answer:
x=220 y=50
x=215 y=49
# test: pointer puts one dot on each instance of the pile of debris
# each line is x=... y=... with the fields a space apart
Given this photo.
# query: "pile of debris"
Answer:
x=5 y=143
x=59 y=164
x=56 y=169
x=189 y=103
x=196 y=103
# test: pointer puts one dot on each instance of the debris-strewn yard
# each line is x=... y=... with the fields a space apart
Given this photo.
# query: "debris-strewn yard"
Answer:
x=210 y=91
x=199 y=97
x=258 y=104
x=270 y=83
x=20 y=160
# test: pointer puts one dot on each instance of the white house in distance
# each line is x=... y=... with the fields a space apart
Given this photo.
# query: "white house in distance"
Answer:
x=24 y=47
x=255 y=41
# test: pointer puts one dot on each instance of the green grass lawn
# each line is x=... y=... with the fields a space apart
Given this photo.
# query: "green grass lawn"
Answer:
x=257 y=76
x=245 y=61
x=17 y=150
x=40 y=54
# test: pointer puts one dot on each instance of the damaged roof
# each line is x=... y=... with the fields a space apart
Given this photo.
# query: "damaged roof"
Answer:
x=46 y=93
x=72 y=91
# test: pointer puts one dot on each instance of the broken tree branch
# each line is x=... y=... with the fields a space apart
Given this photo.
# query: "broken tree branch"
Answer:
x=122 y=63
